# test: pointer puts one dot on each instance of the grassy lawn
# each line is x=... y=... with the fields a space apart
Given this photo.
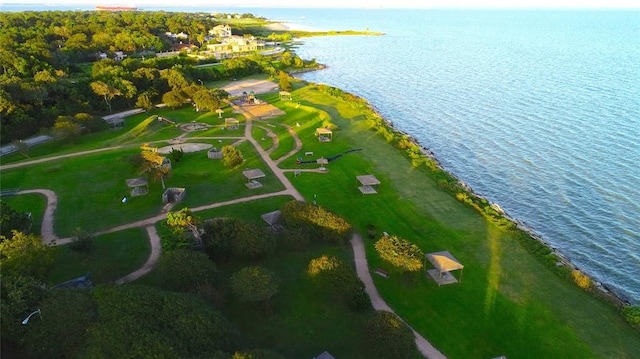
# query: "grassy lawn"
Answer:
x=507 y=304
x=90 y=188
x=506 y=293
x=33 y=203
x=114 y=255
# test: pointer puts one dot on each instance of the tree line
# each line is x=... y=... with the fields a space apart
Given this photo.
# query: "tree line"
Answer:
x=49 y=65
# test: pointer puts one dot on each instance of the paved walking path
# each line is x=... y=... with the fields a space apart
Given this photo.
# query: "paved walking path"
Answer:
x=362 y=268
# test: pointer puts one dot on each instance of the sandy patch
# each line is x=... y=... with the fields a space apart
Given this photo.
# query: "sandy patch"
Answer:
x=236 y=88
x=185 y=147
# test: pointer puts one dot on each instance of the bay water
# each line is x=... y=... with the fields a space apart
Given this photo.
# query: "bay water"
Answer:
x=536 y=110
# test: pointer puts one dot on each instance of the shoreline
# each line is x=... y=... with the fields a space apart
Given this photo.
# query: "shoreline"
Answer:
x=598 y=288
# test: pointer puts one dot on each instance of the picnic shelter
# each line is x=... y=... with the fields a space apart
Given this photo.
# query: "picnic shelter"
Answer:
x=138 y=186
x=252 y=177
x=324 y=134
x=444 y=263
x=368 y=184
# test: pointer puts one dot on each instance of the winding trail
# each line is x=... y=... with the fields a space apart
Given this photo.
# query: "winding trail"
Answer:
x=362 y=268
x=359 y=254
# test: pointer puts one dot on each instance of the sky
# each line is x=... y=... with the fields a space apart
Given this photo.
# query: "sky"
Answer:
x=355 y=3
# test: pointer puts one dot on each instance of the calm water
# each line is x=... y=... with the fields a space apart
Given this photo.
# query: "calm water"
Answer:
x=538 y=111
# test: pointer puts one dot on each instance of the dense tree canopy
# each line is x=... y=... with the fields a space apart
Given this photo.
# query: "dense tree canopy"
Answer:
x=388 y=337
x=317 y=222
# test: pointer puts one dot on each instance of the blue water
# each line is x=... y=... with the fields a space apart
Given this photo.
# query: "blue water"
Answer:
x=538 y=111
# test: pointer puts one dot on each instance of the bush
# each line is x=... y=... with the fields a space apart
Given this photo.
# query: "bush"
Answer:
x=254 y=284
x=333 y=276
x=388 y=337
x=82 y=241
x=231 y=156
x=318 y=222
x=401 y=253
x=185 y=270
x=632 y=315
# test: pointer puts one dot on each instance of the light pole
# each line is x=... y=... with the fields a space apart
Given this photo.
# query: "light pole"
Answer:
x=201 y=83
x=26 y=320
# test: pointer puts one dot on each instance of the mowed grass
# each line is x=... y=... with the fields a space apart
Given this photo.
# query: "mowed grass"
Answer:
x=90 y=188
x=114 y=255
x=507 y=303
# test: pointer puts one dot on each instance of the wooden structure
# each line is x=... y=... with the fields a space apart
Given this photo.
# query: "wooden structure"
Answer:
x=285 y=95
x=324 y=134
x=273 y=219
x=173 y=195
x=368 y=184
x=214 y=153
x=138 y=186
x=322 y=162
x=231 y=123
x=444 y=263
x=252 y=177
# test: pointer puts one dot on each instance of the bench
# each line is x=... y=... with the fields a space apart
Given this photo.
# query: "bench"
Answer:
x=381 y=272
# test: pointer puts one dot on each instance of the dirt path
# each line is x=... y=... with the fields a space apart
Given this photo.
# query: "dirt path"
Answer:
x=362 y=268
x=46 y=230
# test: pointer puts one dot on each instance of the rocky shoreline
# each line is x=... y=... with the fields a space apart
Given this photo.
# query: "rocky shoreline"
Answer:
x=599 y=289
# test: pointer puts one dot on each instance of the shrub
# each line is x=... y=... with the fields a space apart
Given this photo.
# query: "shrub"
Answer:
x=632 y=315
x=335 y=277
x=185 y=270
x=582 y=280
x=401 y=253
x=388 y=337
x=231 y=156
x=254 y=284
x=318 y=222
x=82 y=241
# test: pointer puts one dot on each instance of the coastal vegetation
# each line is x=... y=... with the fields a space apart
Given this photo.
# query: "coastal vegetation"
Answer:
x=271 y=291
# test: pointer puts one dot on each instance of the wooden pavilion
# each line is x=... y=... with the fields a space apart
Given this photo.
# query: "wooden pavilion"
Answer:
x=444 y=263
x=368 y=184
x=252 y=177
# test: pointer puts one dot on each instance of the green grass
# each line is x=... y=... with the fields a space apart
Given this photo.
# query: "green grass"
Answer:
x=507 y=304
x=114 y=256
x=260 y=135
x=33 y=203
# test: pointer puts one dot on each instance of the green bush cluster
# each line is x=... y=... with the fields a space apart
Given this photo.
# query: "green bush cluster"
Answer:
x=316 y=222
x=388 y=337
x=632 y=315
x=333 y=276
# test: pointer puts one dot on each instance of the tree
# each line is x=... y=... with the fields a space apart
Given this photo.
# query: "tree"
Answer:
x=66 y=129
x=254 y=284
x=26 y=255
x=182 y=221
x=401 y=253
x=144 y=101
x=317 y=222
x=12 y=220
x=332 y=275
x=105 y=90
x=388 y=337
x=283 y=82
x=61 y=330
x=185 y=270
x=153 y=165
x=82 y=241
x=251 y=242
x=138 y=321
x=19 y=295
x=173 y=99
x=231 y=156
